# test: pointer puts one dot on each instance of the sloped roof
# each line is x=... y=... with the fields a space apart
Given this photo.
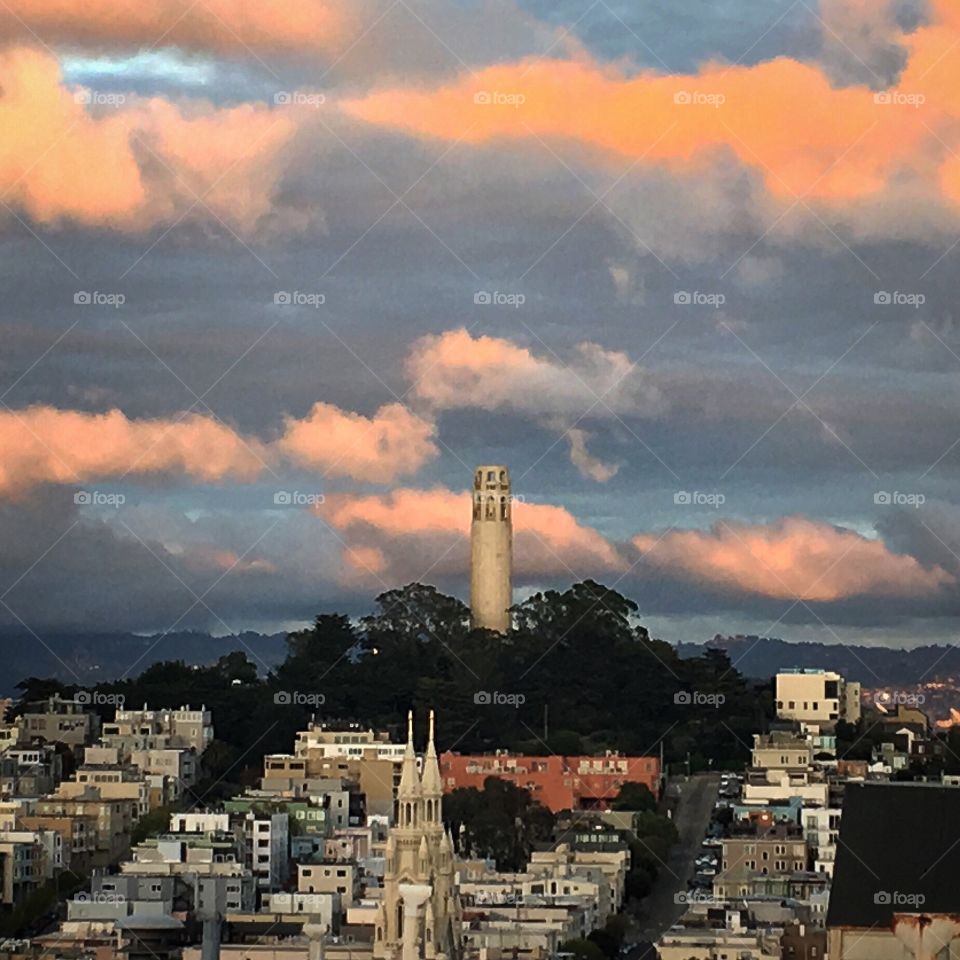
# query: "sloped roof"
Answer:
x=898 y=852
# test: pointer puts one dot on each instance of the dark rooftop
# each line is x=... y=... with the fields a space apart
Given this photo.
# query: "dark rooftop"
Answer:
x=899 y=852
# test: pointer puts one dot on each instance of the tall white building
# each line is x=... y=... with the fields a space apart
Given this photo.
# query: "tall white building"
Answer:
x=491 y=549
x=816 y=696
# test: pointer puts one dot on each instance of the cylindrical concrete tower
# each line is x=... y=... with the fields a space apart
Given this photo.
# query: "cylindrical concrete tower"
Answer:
x=491 y=549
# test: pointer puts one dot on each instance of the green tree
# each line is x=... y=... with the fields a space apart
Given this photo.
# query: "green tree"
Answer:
x=634 y=796
x=584 y=949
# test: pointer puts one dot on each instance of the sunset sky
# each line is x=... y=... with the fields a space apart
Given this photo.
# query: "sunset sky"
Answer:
x=276 y=275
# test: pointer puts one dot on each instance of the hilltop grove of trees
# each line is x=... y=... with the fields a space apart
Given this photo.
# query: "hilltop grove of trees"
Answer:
x=577 y=673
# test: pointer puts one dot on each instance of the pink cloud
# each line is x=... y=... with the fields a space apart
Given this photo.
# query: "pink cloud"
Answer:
x=134 y=164
x=456 y=369
x=794 y=558
x=411 y=532
x=45 y=445
x=221 y=26
x=786 y=120
x=392 y=443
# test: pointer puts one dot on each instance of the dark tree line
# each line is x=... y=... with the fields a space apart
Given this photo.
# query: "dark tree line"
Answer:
x=578 y=673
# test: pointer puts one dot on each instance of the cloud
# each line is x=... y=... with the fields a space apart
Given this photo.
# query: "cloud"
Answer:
x=793 y=558
x=862 y=39
x=134 y=162
x=843 y=145
x=589 y=466
x=42 y=444
x=46 y=445
x=457 y=370
x=392 y=443
x=221 y=26
x=414 y=534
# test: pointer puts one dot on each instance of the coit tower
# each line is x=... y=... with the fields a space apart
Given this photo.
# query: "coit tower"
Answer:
x=491 y=549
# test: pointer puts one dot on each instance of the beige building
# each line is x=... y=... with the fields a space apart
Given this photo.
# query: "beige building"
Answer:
x=147 y=729
x=21 y=865
x=816 y=696
x=63 y=721
x=370 y=760
x=491 y=549
x=338 y=877
x=114 y=821
x=765 y=855
x=779 y=751
x=108 y=782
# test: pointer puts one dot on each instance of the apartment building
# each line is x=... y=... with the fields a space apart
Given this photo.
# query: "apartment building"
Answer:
x=60 y=720
x=559 y=783
x=816 y=696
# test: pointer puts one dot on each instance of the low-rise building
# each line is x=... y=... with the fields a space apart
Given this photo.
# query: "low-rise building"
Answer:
x=559 y=783
x=59 y=720
x=30 y=771
x=328 y=877
x=22 y=865
x=146 y=729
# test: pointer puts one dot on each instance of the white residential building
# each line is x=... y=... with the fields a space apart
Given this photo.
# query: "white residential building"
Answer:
x=816 y=696
x=821 y=830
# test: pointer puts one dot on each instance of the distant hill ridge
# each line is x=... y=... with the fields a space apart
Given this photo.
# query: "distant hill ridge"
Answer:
x=762 y=657
x=89 y=658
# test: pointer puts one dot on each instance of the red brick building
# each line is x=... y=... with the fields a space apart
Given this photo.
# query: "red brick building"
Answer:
x=560 y=783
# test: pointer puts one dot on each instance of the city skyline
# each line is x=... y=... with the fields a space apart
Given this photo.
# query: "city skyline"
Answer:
x=276 y=283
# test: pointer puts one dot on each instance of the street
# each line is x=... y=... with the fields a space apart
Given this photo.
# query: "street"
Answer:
x=660 y=910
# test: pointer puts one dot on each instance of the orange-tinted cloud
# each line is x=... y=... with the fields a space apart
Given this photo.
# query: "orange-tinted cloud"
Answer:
x=456 y=370
x=794 y=558
x=222 y=26
x=46 y=445
x=781 y=118
x=410 y=533
x=392 y=443
x=135 y=163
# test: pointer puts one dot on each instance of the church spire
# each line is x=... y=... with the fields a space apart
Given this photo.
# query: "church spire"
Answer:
x=408 y=793
x=432 y=782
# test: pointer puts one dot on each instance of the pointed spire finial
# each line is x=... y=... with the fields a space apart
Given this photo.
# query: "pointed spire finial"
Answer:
x=431 y=726
x=409 y=726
